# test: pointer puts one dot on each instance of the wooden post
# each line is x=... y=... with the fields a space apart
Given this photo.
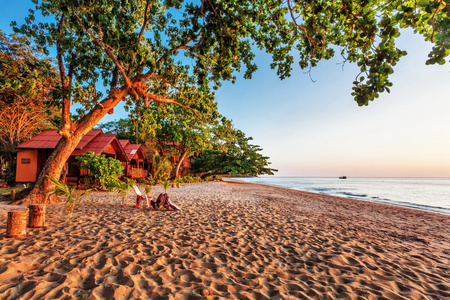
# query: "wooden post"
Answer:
x=36 y=215
x=16 y=225
x=13 y=195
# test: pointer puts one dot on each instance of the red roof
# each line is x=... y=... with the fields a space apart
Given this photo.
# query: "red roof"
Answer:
x=124 y=143
x=94 y=141
x=97 y=145
x=88 y=138
x=48 y=140
x=131 y=150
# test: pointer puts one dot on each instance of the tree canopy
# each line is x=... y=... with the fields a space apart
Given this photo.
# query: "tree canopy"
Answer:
x=174 y=51
x=237 y=156
x=122 y=128
x=27 y=97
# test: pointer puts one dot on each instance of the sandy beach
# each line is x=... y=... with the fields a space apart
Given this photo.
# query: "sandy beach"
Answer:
x=232 y=240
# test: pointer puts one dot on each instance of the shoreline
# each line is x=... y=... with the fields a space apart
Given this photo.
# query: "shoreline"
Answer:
x=230 y=241
x=409 y=205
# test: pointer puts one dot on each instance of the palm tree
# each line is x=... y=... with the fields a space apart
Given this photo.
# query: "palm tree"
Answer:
x=165 y=184
x=62 y=189
x=122 y=187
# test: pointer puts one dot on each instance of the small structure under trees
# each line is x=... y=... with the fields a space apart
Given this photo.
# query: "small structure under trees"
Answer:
x=137 y=162
x=33 y=154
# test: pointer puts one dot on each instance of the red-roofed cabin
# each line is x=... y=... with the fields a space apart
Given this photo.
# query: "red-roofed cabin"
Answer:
x=33 y=154
x=137 y=167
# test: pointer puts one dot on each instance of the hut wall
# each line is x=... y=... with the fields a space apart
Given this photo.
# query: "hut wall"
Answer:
x=27 y=162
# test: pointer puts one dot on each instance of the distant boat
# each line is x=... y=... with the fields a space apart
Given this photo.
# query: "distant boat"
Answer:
x=343 y=177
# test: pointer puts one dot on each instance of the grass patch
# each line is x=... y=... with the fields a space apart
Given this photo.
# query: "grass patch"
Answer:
x=5 y=191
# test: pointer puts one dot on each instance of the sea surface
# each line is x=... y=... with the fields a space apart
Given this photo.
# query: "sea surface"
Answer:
x=430 y=194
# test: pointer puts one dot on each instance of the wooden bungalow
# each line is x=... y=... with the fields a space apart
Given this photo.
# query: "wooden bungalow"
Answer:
x=33 y=154
x=138 y=165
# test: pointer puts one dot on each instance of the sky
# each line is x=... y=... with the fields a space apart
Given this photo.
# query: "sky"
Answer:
x=316 y=128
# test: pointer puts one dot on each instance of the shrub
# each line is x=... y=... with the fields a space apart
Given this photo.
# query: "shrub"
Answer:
x=104 y=170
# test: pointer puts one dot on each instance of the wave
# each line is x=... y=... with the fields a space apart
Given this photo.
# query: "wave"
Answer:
x=354 y=195
x=317 y=189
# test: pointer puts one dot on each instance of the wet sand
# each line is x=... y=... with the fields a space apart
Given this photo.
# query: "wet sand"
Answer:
x=232 y=240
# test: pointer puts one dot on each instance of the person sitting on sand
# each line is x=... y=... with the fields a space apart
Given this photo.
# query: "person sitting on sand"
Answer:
x=163 y=203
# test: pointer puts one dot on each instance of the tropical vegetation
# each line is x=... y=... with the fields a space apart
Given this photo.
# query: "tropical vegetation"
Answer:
x=28 y=99
x=178 y=52
x=71 y=194
x=101 y=171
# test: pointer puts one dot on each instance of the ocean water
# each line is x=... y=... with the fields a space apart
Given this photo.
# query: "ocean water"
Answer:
x=431 y=194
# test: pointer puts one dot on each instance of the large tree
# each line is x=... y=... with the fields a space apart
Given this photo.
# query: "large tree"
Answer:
x=234 y=155
x=170 y=129
x=173 y=51
x=179 y=132
x=27 y=96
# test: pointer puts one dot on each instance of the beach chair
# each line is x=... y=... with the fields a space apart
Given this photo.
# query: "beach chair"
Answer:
x=141 y=196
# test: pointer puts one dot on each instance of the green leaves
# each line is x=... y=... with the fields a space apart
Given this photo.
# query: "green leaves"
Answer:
x=121 y=187
x=179 y=51
x=69 y=193
x=423 y=3
x=232 y=152
x=104 y=170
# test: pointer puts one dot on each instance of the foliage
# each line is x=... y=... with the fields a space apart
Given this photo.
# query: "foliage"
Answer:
x=122 y=128
x=192 y=179
x=161 y=166
x=210 y=178
x=178 y=51
x=148 y=188
x=104 y=170
x=178 y=182
x=26 y=96
x=121 y=187
x=70 y=193
x=171 y=129
x=219 y=37
x=10 y=171
x=240 y=157
x=165 y=184
x=178 y=132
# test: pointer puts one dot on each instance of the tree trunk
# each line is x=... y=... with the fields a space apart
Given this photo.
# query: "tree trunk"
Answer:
x=53 y=168
x=178 y=166
x=71 y=136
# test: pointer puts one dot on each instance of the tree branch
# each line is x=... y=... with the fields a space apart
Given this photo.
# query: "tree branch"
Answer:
x=67 y=123
x=107 y=49
x=141 y=34
x=160 y=99
x=310 y=40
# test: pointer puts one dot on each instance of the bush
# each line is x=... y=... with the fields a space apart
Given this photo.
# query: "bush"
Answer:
x=102 y=169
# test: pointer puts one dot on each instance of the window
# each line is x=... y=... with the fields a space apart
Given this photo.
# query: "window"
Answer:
x=25 y=161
